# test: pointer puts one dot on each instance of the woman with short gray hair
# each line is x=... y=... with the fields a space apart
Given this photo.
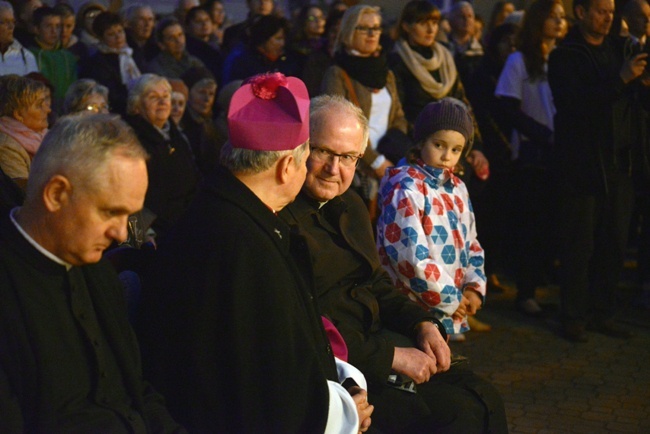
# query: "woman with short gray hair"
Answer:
x=86 y=96
x=173 y=176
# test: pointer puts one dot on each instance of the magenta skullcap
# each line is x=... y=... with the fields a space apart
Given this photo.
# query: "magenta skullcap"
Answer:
x=269 y=112
x=446 y=114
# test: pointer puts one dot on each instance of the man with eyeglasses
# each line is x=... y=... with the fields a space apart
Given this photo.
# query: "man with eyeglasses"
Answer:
x=14 y=58
x=391 y=339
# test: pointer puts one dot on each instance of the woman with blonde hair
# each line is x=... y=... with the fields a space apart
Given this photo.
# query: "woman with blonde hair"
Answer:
x=361 y=75
x=24 y=107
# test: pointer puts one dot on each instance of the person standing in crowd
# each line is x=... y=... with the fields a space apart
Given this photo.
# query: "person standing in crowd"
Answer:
x=249 y=353
x=463 y=44
x=86 y=96
x=265 y=51
x=495 y=133
x=588 y=77
x=59 y=66
x=173 y=176
x=198 y=123
x=636 y=14
x=526 y=102
x=113 y=64
x=500 y=12
x=14 y=58
x=236 y=36
x=399 y=346
x=70 y=41
x=57 y=291
x=361 y=75
x=86 y=14
x=173 y=59
x=201 y=42
x=139 y=24
x=24 y=107
x=219 y=18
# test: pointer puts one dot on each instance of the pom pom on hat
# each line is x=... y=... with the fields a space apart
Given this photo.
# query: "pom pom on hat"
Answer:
x=446 y=114
x=269 y=112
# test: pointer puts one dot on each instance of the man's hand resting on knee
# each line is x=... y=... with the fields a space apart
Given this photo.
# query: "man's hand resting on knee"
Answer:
x=432 y=356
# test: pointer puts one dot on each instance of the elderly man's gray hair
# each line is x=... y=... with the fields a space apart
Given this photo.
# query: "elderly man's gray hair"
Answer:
x=249 y=161
x=6 y=6
x=132 y=11
x=78 y=147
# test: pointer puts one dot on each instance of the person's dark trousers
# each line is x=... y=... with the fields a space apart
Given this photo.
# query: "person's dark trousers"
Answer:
x=532 y=235
x=456 y=401
x=593 y=237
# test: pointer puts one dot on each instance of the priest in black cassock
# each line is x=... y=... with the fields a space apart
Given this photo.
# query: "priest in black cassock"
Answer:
x=69 y=361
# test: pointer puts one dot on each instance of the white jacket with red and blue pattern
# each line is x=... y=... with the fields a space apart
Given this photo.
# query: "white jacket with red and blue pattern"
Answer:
x=426 y=236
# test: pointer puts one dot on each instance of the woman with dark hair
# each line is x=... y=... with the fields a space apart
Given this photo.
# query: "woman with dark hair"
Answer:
x=495 y=132
x=307 y=34
x=500 y=12
x=113 y=65
x=426 y=72
x=526 y=99
x=265 y=51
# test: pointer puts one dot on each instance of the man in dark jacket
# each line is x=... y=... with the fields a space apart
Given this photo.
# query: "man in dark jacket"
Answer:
x=390 y=338
x=589 y=79
x=228 y=325
x=69 y=361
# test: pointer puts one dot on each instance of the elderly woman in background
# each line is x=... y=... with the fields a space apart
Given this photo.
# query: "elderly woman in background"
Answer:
x=86 y=15
x=24 y=106
x=113 y=65
x=173 y=176
x=86 y=96
x=361 y=75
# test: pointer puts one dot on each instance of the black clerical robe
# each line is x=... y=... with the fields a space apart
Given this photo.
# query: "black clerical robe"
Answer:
x=69 y=361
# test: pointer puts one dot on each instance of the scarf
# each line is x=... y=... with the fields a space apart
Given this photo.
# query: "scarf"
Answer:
x=128 y=69
x=421 y=68
x=371 y=71
x=29 y=139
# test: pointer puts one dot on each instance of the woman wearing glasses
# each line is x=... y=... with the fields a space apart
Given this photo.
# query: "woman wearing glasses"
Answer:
x=86 y=96
x=361 y=75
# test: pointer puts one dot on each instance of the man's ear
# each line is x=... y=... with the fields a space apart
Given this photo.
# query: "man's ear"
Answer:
x=56 y=193
x=580 y=12
x=285 y=168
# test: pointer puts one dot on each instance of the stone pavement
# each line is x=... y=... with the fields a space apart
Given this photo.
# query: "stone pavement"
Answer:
x=550 y=385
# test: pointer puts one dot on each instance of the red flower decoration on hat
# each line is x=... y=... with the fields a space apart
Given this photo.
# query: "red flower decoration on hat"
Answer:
x=265 y=86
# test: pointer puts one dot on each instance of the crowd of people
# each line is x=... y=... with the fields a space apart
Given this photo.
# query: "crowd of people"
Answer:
x=297 y=212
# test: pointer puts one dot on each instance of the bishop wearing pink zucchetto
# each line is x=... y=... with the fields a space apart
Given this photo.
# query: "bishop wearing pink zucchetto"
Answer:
x=229 y=329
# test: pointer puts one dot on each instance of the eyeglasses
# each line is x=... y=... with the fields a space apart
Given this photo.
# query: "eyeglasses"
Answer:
x=98 y=108
x=323 y=155
x=312 y=18
x=368 y=30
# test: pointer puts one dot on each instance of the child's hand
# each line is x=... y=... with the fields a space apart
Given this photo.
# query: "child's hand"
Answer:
x=461 y=312
x=474 y=301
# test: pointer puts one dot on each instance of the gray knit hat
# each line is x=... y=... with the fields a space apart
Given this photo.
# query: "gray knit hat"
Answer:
x=446 y=114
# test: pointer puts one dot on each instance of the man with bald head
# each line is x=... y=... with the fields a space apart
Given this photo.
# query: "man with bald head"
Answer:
x=68 y=359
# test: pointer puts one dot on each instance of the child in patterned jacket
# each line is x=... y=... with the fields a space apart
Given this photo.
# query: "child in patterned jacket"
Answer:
x=426 y=234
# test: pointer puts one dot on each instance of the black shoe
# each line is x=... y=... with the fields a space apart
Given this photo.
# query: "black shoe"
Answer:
x=609 y=328
x=575 y=332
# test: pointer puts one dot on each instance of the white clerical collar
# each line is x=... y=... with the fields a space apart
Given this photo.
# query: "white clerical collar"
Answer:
x=37 y=246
